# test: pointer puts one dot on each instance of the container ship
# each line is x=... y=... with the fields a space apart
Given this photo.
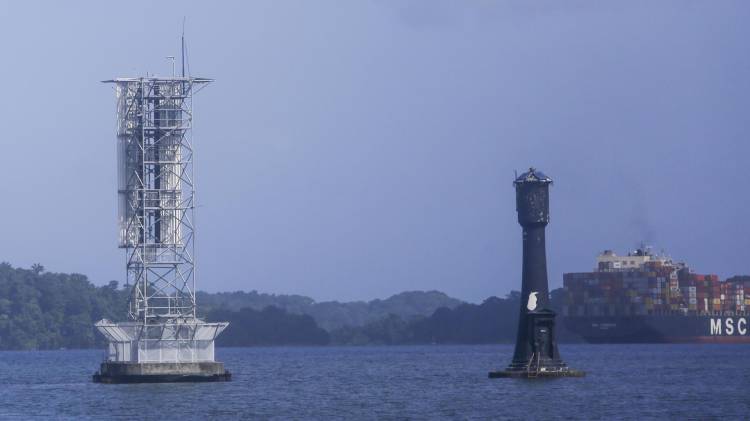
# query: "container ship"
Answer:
x=646 y=298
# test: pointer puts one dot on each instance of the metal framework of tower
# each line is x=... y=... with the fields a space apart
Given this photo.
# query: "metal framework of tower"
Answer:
x=156 y=196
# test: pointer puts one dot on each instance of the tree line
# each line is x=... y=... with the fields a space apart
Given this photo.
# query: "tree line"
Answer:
x=42 y=310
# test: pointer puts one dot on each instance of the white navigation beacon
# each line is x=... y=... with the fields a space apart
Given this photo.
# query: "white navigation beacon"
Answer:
x=156 y=191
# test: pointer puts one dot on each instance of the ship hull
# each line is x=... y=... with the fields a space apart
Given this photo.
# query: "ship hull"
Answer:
x=661 y=329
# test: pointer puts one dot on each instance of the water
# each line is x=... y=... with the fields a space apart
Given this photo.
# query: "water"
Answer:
x=624 y=381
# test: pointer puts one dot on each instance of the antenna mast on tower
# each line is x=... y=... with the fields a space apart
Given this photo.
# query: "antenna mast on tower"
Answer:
x=182 y=48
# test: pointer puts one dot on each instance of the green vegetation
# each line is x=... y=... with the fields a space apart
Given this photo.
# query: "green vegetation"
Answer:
x=40 y=310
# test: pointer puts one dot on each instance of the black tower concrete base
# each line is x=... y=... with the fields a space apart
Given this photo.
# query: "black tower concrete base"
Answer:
x=127 y=372
x=527 y=374
x=538 y=352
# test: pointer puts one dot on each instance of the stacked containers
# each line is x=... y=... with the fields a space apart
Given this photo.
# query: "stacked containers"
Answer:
x=675 y=298
x=692 y=287
x=735 y=296
x=655 y=288
x=657 y=299
x=714 y=293
x=576 y=294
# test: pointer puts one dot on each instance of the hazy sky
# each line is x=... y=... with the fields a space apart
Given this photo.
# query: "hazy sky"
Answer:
x=356 y=149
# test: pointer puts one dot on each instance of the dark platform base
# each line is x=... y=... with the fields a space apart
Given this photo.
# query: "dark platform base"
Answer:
x=525 y=374
x=162 y=378
x=114 y=373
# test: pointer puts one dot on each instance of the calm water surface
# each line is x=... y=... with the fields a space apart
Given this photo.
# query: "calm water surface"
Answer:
x=624 y=382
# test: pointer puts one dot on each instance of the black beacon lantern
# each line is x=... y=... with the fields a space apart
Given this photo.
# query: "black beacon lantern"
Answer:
x=536 y=353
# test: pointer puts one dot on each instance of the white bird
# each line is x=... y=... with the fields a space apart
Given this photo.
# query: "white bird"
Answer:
x=531 y=305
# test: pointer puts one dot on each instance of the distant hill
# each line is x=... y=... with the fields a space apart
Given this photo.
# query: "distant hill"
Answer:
x=270 y=326
x=42 y=310
x=493 y=321
x=333 y=314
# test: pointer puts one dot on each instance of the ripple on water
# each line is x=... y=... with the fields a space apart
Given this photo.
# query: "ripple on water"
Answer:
x=624 y=381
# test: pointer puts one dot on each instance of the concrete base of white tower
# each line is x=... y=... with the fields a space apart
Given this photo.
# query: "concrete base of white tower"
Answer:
x=177 y=350
x=113 y=372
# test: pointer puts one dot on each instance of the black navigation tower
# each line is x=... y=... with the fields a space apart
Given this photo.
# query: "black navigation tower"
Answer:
x=536 y=353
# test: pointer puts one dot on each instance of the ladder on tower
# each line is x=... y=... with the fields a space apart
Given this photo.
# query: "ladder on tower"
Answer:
x=533 y=372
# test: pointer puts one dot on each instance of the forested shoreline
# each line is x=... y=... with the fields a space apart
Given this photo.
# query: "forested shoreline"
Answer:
x=40 y=310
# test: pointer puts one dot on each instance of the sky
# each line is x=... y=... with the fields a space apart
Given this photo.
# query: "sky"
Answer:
x=352 y=150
